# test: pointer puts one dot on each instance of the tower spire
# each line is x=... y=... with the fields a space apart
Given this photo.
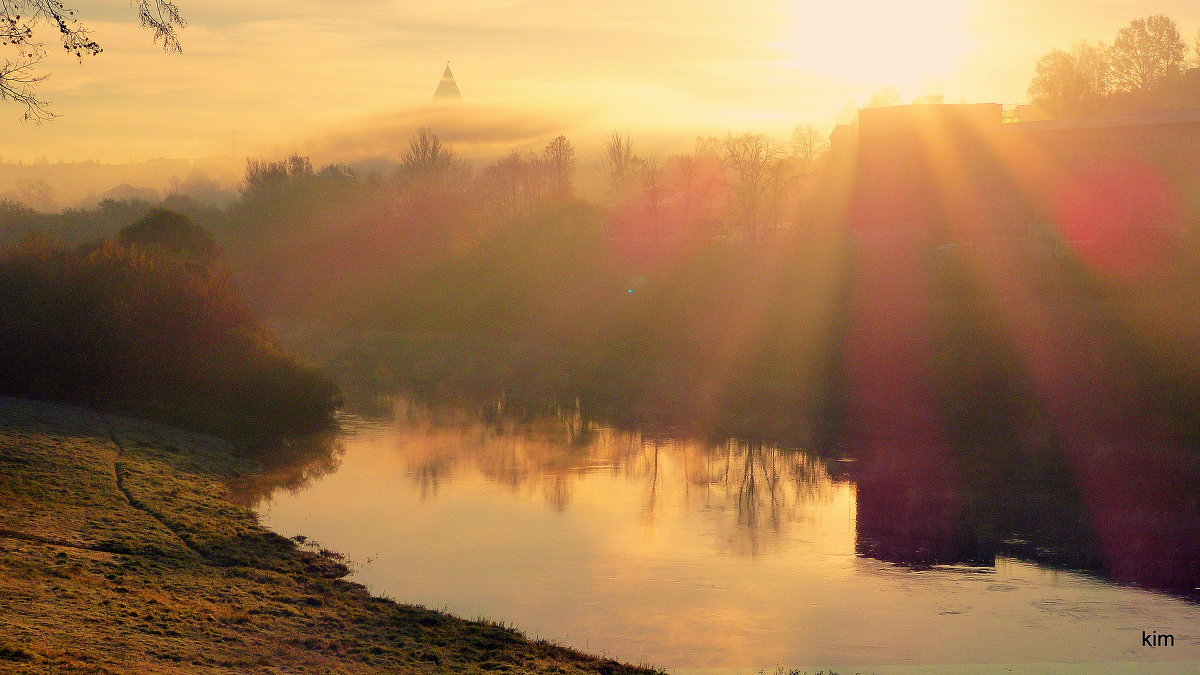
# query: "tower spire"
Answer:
x=447 y=89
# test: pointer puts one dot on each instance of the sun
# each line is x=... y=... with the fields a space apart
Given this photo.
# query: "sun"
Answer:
x=874 y=43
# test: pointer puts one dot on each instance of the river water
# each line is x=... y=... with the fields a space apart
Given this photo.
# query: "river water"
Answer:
x=732 y=556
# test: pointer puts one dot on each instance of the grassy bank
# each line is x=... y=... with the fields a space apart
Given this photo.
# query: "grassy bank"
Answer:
x=120 y=552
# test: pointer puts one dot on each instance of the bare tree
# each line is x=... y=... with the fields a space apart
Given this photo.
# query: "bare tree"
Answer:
x=651 y=175
x=20 y=25
x=427 y=157
x=757 y=166
x=1072 y=83
x=559 y=159
x=698 y=176
x=808 y=144
x=617 y=161
x=35 y=193
x=1145 y=52
x=512 y=185
x=883 y=98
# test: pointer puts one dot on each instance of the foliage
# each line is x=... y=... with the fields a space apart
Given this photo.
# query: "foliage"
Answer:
x=501 y=279
x=141 y=329
x=1143 y=70
x=1072 y=83
x=172 y=233
x=1146 y=52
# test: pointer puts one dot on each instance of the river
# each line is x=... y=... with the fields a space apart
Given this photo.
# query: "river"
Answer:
x=731 y=556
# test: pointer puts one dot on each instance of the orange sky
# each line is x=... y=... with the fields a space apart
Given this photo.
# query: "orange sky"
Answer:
x=268 y=77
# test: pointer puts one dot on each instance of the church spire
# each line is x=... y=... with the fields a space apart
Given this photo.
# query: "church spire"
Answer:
x=447 y=89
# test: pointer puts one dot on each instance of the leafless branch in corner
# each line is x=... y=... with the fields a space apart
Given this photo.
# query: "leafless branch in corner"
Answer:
x=18 y=83
x=20 y=18
x=162 y=16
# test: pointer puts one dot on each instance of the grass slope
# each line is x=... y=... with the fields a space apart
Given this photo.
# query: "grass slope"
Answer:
x=120 y=553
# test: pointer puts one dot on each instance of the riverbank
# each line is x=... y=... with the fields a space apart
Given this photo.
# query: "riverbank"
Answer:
x=120 y=552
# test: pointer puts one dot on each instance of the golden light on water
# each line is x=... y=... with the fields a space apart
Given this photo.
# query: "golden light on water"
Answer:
x=677 y=552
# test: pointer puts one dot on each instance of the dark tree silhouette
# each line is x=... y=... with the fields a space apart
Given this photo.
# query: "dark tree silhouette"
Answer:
x=173 y=233
x=808 y=144
x=618 y=162
x=428 y=159
x=21 y=22
x=1146 y=52
x=757 y=173
x=1072 y=83
x=559 y=157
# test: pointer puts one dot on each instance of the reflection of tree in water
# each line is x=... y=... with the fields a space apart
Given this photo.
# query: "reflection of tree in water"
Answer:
x=765 y=487
x=752 y=491
x=289 y=464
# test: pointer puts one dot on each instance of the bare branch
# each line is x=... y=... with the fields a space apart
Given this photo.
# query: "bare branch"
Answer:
x=19 y=20
x=163 y=18
x=18 y=84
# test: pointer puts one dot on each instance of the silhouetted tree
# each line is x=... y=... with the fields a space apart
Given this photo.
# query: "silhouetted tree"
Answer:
x=1072 y=83
x=299 y=167
x=337 y=173
x=171 y=232
x=1145 y=52
x=511 y=186
x=559 y=159
x=35 y=193
x=756 y=165
x=808 y=144
x=698 y=181
x=427 y=160
x=274 y=184
x=434 y=187
x=617 y=161
x=129 y=328
x=263 y=177
x=651 y=178
x=883 y=98
x=20 y=21
x=200 y=187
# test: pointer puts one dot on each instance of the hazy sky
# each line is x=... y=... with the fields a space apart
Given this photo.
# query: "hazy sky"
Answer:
x=273 y=76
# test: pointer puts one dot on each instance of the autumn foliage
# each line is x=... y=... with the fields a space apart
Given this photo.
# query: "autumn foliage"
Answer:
x=140 y=329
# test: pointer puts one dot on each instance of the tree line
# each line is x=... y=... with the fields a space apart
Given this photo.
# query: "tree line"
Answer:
x=148 y=322
x=1145 y=67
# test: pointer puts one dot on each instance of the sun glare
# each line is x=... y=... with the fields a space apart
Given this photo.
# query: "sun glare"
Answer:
x=877 y=44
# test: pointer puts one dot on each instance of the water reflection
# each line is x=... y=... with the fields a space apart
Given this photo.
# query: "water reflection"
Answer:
x=914 y=510
x=911 y=506
x=291 y=464
x=757 y=489
x=661 y=548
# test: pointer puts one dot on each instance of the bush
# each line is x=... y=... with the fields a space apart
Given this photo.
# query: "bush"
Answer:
x=172 y=233
x=143 y=330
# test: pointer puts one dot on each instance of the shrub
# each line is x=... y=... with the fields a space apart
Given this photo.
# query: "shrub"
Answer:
x=147 y=331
